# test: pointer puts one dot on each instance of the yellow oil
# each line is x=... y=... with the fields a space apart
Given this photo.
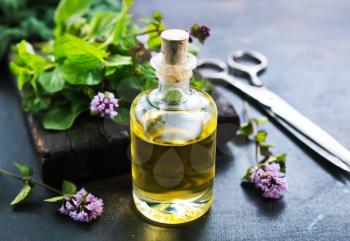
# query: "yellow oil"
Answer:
x=173 y=160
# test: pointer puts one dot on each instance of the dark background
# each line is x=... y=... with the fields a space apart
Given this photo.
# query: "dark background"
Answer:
x=307 y=45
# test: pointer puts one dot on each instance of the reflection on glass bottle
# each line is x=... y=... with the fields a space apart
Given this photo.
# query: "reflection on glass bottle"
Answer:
x=173 y=137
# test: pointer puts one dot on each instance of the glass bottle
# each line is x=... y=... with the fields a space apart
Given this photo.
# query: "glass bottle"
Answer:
x=173 y=139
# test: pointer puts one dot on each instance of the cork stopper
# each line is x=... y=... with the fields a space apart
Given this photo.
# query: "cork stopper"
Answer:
x=174 y=46
x=174 y=64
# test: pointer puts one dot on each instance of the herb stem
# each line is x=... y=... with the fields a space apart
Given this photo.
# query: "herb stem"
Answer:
x=257 y=155
x=46 y=186
x=250 y=119
x=10 y=174
x=147 y=32
x=247 y=112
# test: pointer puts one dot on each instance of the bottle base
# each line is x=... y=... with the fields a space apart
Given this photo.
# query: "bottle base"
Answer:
x=175 y=212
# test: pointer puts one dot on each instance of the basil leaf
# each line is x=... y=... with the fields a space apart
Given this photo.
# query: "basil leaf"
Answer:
x=54 y=199
x=52 y=81
x=78 y=51
x=123 y=116
x=22 y=195
x=76 y=75
x=25 y=170
x=62 y=117
x=68 y=187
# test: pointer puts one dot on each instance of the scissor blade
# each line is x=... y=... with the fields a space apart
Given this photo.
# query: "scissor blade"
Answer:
x=309 y=129
x=312 y=145
x=313 y=135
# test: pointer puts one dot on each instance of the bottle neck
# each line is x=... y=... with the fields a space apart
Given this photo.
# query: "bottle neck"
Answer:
x=173 y=93
x=174 y=82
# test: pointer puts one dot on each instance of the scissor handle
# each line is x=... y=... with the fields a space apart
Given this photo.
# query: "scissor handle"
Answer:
x=217 y=68
x=251 y=70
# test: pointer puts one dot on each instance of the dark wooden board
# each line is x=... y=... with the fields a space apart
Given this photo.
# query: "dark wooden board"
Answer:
x=95 y=147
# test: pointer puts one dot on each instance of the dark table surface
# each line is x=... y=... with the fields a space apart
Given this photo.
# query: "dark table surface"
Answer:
x=307 y=44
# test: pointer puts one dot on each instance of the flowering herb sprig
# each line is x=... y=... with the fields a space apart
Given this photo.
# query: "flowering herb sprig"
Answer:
x=199 y=32
x=79 y=205
x=268 y=174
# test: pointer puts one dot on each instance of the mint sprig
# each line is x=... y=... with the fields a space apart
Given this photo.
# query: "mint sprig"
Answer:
x=92 y=51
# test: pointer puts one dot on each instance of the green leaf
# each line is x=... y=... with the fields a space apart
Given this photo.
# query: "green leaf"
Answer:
x=118 y=60
x=62 y=117
x=128 y=88
x=260 y=137
x=22 y=195
x=69 y=11
x=154 y=39
x=78 y=51
x=23 y=75
x=120 y=25
x=247 y=176
x=34 y=103
x=68 y=187
x=281 y=160
x=100 y=24
x=77 y=75
x=54 y=199
x=30 y=58
x=260 y=120
x=155 y=19
x=25 y=170
x=193 y=49
x=281 y=157
x=123 y=116
x=154 y=42
x=265 y=149
x=52 y=81
x=204 y=85
x=246 y=129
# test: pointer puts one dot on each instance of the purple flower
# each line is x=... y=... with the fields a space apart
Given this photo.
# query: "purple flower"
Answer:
x=200 y=32
x=270 y=180
x=104 y=104
x=82 y=206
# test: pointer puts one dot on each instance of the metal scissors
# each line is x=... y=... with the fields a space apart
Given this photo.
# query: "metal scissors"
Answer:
x=278 y=109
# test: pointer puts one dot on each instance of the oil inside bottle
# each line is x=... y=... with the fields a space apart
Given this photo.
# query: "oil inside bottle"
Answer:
x=173 y=163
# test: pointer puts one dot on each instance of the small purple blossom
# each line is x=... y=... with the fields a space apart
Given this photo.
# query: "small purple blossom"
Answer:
x=82 y=206
x=199 y=32
x=104 y=104
x=270 y=180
